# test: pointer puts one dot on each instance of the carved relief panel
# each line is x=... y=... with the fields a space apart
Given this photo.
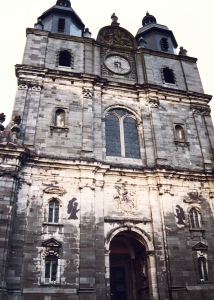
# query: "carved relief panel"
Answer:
x=125 y=199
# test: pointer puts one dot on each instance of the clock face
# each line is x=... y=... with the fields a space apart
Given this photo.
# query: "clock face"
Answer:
x=117 y=64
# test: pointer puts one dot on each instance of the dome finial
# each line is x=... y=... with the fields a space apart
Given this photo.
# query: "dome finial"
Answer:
x=66 y=3
x=148 y=19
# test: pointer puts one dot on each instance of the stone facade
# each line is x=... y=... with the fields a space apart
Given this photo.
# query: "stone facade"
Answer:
x=77 y=223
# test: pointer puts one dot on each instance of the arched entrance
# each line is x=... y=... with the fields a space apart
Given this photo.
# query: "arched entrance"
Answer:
x=128 y=268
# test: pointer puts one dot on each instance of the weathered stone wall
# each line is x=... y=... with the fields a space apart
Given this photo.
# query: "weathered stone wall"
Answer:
x=150 y=197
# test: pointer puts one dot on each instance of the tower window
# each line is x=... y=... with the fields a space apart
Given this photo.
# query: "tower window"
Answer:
x=121 y=134
x=51 y=265
x=65 y=59
x=168 y=76
x=53 y=211
x=164 y=44
x=61 y=25
x=179 y=133
x=60 y=118
x=202 y=268
x=194 y=219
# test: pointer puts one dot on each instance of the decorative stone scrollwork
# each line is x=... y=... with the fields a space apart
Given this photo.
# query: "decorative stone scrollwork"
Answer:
x=2 y=119
x=89 y=184
x=87 y=93
x=59 y=130
x=36 y=88
x=193 y=197
x=167 y=189
x=154 y=102
x=200 y=110
x=55 y=190
x=116 y=37
x=51 y=247
x=23 y=87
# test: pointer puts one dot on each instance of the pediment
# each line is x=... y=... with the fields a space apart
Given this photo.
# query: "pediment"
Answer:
x=55 y=190
x=51 y=243
x=116 y=36
x=200 y=246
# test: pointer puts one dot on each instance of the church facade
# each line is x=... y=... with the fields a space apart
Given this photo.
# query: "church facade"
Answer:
x=107 y=188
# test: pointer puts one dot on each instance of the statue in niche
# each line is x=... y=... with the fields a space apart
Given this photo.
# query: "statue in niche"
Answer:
x=72 y=209
x=60 y=118
x=180 y=216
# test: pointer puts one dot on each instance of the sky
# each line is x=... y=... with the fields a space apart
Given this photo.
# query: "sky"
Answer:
x=190 y=20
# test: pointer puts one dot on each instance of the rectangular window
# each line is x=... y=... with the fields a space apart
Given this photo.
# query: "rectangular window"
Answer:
x=164 y=44
x=51 y=263
x=61 y=25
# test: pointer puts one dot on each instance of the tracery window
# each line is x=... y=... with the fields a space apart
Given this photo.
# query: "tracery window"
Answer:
x=121 y=134
x=65 y=58
x=51 y=261
x=202 y=268
x=53 y=211
x=168 y=75
x=194 y=219
x=60 y=118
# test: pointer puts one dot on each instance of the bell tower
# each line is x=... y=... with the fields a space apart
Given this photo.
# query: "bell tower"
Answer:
x=106 y=167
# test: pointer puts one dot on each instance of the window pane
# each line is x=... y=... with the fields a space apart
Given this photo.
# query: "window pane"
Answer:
x=50 y=213
x=205 y=269
x=56 y=212
x=200 y=268
x=131 y=138
x=54 y=268
x=120 y=111
x=192 y=222
x=113 y=146
x=47 y=267
x=196 y=219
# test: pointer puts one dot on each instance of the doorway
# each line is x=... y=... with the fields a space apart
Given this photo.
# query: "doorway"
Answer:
x=128 y=268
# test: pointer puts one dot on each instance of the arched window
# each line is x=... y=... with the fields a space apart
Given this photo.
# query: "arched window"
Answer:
x=121 y=134
x=179 y=133
x=194 y=219
x=202 y=268
x=168 y=76
x=60 y=118
x=65 y=59
x=51 y=265
x=53 y=211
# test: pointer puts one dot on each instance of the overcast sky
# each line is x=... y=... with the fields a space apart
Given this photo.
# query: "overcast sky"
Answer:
x=190 y=20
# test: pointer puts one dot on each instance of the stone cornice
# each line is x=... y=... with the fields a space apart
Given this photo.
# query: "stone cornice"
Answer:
x=94 y=42
x=107 y=168
x=26 y=70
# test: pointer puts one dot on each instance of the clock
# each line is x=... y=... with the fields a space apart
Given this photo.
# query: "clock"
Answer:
x=117 y=64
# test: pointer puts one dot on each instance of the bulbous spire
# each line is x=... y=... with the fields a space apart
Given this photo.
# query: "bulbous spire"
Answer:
x=66 y=3
x=148 y=19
